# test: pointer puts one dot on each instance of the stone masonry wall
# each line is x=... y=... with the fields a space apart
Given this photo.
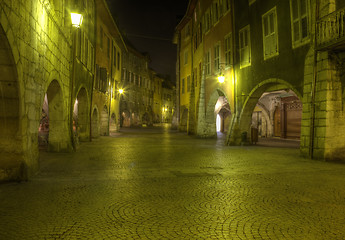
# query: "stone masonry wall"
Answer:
x=40 y=41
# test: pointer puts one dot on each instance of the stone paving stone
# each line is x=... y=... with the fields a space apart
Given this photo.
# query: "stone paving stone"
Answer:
x=156 y=185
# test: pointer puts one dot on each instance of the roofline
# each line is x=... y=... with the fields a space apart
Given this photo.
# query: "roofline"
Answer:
x=112 y=19
x=186 y=18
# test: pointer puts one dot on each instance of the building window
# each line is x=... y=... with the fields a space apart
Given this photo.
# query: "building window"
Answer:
x=187 y=31
x=299 y=22
x=227 y=49
x=185 y=57
x=251 y=2
x=216 y=57
x=244 y=47
x=200 y=72
x=114 y=56
x=270 y=33
x=118 y=61
x=101 y=37
x=207 y=21
x=188 y=84
x=182 y=85
x=225 y=5
x=108 y=47
x=215 y=11
x=208 y=63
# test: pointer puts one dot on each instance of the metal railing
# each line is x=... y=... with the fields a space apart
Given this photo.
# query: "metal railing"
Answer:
x=331 y=29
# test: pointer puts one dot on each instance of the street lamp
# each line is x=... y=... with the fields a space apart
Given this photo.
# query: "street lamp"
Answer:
x=76 y=23
x=120 y=90
x=221 y=78
x=77 y=19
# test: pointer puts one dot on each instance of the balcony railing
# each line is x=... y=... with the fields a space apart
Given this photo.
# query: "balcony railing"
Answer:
x=331 y=30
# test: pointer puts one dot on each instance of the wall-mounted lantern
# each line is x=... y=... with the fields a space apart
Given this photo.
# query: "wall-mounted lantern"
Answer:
x=77 y=19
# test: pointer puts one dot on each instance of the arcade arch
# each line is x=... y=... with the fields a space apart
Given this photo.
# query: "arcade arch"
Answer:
x=112 y=123
x=218 y=113
x=11 y=141
x=95 y=123
x=104 y=121
x=80 y=116
x=184 y=120
x=52 y=129
x=125 y=119
x=272 y=108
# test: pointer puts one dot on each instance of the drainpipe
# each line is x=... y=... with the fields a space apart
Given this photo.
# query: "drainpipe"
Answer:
x=94 y=74
x=233 y=55
x=74 y=54
x=313 y=86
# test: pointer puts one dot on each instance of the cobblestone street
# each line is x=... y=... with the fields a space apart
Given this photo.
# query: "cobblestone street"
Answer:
x=161 y=184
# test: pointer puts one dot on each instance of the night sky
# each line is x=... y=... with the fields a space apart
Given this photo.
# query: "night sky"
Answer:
x=149 y=26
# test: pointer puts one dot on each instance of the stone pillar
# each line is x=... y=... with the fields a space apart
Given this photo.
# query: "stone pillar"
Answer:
x=201 y=125
x=191 y=111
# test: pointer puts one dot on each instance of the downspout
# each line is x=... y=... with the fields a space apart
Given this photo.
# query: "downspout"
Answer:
x=94 y=74
x=191 y=78
x=233 y=57
x=74 y=50
x=111 y=78
x=313 y=86
x=178 y=70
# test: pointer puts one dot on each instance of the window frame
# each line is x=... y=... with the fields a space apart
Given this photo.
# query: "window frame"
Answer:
x=208 y=62
x=183 y=87
x=228 y=50
x=243 y=48
x=301 y=41
x=271 y=34
x=216 y=59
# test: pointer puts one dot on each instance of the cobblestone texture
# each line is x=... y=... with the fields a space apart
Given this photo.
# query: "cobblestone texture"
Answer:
x=166 y=185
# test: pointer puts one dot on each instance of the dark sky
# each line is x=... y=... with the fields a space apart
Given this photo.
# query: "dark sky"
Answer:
x=149 y=26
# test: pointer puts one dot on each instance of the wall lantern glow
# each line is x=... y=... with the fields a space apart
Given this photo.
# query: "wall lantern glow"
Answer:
x=77 y=19
x=120 y=90
x=221 y=78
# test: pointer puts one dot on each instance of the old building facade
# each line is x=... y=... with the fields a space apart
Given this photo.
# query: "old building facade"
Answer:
x=282 y=65
x=59 y=82
x=107 y=83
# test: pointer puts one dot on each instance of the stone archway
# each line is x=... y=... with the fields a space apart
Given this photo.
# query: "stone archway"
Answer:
x=81 y=117
x=243 y=124
x=95 y=123
x=184 y=120
x=125 y=119
x=145 y=119
x=53 y=122
x=104 y=122
x=11 y=142
x=112 y=123
x=207 y=126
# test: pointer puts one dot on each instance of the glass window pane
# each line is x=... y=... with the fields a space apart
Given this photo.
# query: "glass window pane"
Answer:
x=303 y=7
x=265 y=26
x=296 y=31
x=304 y=25
x=241 y=40
x=271 y=23
x=294 y=9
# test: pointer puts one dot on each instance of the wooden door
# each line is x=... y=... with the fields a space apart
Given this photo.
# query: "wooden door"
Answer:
x=277 y=126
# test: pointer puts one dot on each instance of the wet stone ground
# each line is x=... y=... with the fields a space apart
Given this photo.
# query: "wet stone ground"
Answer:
x=160 y=184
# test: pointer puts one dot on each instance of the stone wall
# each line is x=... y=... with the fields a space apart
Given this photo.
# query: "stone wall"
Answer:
x=40 y=43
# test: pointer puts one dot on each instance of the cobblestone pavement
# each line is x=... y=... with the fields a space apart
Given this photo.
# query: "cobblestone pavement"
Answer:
x=167 y=185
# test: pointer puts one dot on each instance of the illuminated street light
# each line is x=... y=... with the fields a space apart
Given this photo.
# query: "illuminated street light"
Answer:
x=120 y=90
x=77 y=19
x=221 y=78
